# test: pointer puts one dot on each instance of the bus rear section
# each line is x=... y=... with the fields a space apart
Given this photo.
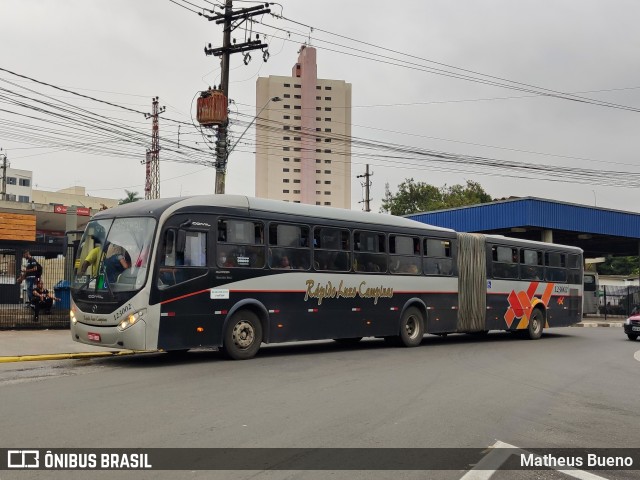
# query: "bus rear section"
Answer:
x=590 y=295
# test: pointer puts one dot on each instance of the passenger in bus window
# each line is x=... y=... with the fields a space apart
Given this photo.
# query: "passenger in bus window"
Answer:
x=284 y=263
x=225 y=261
x=116 y=264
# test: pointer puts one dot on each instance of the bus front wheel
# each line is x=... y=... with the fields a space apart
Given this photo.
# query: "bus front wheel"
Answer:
x=243 y=336
x=411 y=329
x=536 y=324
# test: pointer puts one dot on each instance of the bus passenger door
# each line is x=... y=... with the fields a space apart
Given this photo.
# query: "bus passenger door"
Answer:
x=182 y=283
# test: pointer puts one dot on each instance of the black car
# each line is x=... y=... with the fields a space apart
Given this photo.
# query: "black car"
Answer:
x=632 y=327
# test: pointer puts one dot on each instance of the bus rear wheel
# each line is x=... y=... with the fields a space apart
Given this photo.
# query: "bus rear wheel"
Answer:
x=536 y=324
x=243 y=336
x=411 y=329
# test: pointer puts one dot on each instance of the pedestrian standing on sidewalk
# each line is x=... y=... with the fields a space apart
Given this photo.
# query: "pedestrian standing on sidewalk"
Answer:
x=31 y=274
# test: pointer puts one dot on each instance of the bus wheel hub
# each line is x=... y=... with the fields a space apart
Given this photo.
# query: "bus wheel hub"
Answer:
x=243 y=334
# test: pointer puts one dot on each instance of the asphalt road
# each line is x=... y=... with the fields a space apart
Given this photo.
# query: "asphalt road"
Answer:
x=576 y=387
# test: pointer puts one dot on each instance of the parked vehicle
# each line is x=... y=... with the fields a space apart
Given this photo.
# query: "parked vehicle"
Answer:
x=632 y=327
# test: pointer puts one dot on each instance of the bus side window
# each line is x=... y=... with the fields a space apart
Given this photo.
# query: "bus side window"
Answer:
x=437 y=257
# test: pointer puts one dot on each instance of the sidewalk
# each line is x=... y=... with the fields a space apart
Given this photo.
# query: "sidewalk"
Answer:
x=18 y=343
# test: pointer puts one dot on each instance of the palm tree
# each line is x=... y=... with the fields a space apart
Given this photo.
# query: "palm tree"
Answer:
x=131 y=197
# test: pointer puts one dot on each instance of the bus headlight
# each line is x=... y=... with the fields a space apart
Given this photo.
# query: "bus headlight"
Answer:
x=131 y=319
x=72 y=316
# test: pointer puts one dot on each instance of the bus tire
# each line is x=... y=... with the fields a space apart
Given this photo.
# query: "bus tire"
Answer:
x=347 y=342
x=632 y=336
x=242 y=336
x=536 y=324
x=411 y=328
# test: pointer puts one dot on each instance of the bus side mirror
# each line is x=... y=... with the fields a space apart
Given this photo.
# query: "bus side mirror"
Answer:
x=181 y=242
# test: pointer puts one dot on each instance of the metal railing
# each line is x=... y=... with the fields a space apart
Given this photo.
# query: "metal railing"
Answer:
x=15 y=312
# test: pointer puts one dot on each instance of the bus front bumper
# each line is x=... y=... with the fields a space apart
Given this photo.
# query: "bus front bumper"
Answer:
x=132 y=338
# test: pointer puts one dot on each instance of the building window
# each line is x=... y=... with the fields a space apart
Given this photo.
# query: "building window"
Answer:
x=318 y=129
x=318 y=160
x=23 y=198
x=327 y=109
x=327 y=140
x=327 y=119
x=285 y=169
x=24 y=182
x=327 y=193
x=10 y=197
x=318 y=150
x=297 y=107
x=327 y=182
x=286 y=149
x=297 y=118
x=286 y=117
x=296 y=180
x=297 y=96
x=297 y=139
x=285 y=191
x=318 y=203
x=296 y=160
x=327 y=88
x=328 y=172
x=295 y=85
x=287 y=85
x=296 y=170
x=327 y=151
x=327 y=161
x=318 y=97
x=318 y=87
x=287 y=106
x=318 y=192
x=11 y=180
x=286 y=127
x=297 y=149
x=318 y=182
x=327 y=203
x=318 y=119
x=318 y=139
x=286 y=138
x=318 y=108
x=318 y=171
x=297 y=128
x=296 y=201
x=286 y=95
x=327 y=129
x=296 y=191
x=286 y=159
x=327 y=98
x=285 y=180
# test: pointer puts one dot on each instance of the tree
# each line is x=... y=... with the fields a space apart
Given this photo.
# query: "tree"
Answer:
x=619 y=266
x=131 y=197
x=415 y=197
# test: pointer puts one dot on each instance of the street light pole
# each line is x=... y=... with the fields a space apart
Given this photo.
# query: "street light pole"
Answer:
x=272 y=99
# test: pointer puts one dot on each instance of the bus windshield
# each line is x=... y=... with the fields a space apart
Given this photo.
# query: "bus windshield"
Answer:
x=113 y=254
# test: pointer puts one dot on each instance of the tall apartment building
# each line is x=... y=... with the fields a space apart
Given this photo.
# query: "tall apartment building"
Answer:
x=303 y=144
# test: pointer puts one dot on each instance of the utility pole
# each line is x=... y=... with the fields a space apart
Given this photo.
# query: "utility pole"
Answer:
x=231 y=20
x=152 y=163
x=4 y=175
x=366 y=185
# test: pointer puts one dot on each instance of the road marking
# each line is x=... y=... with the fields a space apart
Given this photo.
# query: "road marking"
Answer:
x=66 y=356
x=499 y=456
x=637 y=355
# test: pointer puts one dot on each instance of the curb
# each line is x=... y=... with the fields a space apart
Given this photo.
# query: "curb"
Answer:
x=596 y=324
x=67 y=356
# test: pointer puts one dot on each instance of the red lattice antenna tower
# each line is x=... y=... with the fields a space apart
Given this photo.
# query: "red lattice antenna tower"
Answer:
x=152 y=163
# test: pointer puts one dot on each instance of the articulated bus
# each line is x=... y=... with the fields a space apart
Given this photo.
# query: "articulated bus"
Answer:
x=235 y=272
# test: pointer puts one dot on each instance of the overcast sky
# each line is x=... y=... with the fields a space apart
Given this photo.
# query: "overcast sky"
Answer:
x=126 y=52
